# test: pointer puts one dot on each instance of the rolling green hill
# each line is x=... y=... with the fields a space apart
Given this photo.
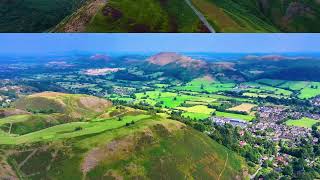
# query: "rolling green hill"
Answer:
x=75 y=105
x=119 y=143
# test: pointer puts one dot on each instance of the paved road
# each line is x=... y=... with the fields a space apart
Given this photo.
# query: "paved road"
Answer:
x=201 y=16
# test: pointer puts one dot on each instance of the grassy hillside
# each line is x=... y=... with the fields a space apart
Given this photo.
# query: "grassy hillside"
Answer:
x=261 y=16
x=151 y=148
x=232 y=16
x=120 y=142
x=34 y=15
x=145 y=16
x=75 y=105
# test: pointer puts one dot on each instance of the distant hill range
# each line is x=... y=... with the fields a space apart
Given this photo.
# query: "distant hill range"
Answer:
x=276 y=66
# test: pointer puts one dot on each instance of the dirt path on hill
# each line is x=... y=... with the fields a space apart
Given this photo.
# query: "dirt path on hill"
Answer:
x=10 y=128
x=254 y=175
x=224 y=167
x=27 y=158
x=201 y=16
x=77 y=21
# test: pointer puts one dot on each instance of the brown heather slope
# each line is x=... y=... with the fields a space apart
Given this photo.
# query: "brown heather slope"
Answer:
x=166 y=58
x=74 y=105
x=149 y=149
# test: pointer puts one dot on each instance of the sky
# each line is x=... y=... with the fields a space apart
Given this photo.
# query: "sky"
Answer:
x=220 y=43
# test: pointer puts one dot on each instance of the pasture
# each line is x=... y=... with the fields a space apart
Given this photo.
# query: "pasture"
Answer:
x=205 y=85
x=70 y=130
x=303 y=122
x=196 y=112
x=235 y=116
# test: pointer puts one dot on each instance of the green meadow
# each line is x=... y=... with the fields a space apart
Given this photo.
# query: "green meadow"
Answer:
x=235 y=116
x=70 y=130
x=303 y=122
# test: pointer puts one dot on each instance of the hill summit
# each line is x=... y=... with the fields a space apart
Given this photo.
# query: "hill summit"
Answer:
x=167 y=58
x=74 y=105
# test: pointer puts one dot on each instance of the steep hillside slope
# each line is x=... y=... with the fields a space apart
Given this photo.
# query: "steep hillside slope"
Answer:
x=75 y=105
x=34 y=15
x=133 y=16
x=262 y=15
x=149 y=149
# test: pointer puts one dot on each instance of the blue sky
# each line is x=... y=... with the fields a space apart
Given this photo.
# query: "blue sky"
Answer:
x=235 y=43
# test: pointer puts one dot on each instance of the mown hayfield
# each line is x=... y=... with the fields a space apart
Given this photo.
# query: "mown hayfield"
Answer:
x=304 y=122
x=235 y=116
x=197 y=109
x=244 y=107
x=197 y=112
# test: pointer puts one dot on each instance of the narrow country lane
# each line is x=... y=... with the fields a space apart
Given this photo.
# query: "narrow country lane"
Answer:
x=201 y=16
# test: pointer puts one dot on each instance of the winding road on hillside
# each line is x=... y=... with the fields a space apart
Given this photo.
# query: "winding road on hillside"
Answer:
x=201 y=16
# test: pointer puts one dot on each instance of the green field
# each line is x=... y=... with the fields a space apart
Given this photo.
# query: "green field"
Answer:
x=304 y=89
x=235 y=116
x=294 y=85
x=310 y=91
x=169 y=99
x=261 y=88
x=68 y=130
x=304 y=122
x=196 y=112
x=204 y=85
